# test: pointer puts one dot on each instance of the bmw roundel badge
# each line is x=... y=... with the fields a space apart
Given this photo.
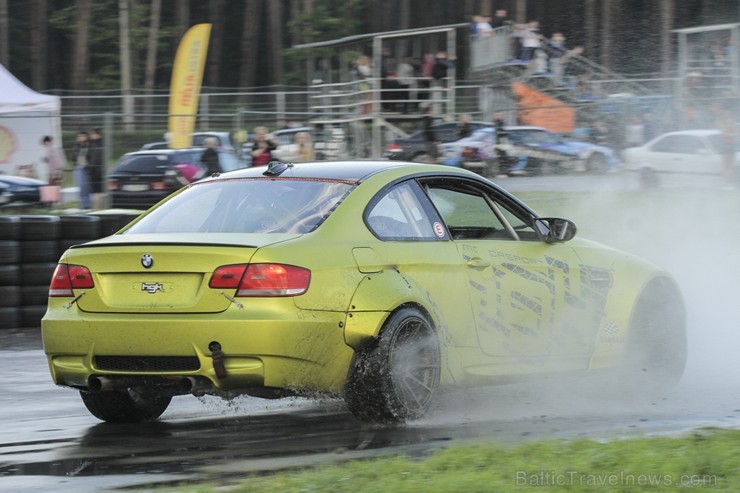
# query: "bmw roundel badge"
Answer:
x=147 y=261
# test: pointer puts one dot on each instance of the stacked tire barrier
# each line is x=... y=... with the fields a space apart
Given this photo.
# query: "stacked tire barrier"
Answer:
x=30 y=247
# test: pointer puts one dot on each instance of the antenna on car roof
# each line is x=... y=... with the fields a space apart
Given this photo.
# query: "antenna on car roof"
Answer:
x=276 y=168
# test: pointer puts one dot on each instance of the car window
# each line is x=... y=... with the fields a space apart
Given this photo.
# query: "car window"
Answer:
x=715 y=141
x=472 y=212
x=679 y=144
x=146 y=164
x=398 y=214
x=200 y=139
x=246 y=206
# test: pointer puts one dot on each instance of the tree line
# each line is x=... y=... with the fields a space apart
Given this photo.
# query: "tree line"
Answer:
x=68 y=46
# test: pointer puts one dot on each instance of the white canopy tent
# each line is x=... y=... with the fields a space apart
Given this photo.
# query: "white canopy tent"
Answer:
x=26 y=116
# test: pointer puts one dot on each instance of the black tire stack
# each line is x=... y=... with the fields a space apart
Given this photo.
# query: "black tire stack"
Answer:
x=30 y=248
x=10 y=272
x=40 y=240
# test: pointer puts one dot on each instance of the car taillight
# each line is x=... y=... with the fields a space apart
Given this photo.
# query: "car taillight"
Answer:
x=160 y=185
x=227 y=277
x=113 y=185
x=68 y=277
x=468 y=152
x=393 y=147
x=262 y=279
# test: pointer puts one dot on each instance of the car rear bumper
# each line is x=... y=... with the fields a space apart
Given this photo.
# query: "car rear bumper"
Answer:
x=302 y=351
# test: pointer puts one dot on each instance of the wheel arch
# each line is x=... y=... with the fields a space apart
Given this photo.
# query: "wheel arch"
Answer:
x=379 y=296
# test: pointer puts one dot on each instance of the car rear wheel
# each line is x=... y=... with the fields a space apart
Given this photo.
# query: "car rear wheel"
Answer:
x=395 y=378
x=596 y=163
x=124 y=406
x=655 y=354
x=649 y=178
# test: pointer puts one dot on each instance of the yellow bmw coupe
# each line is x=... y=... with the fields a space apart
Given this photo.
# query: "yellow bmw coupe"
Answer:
x=380 y=282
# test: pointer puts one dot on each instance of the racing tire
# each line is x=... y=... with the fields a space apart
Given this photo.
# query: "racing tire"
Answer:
x=395 y=378
x=31 y=316
x=35 y=295
x=37 y=274
x=10 y=227
x=10 y=274
x=649 y=178
x=10 y=252
x=10 y=317
x=655 y=353
x=39 y=251
x=81 y=226
x=124 y=406
x=41 y=227
x=596 y=163
x=10 y=296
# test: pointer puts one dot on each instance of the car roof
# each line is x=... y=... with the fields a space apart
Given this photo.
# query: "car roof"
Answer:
x=165 y=152
x=698 y=132
x=21 y=180
x=338 y=170
x=291 y=130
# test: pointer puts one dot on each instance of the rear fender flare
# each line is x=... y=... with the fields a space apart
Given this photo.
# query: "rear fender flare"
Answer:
x=376 y=297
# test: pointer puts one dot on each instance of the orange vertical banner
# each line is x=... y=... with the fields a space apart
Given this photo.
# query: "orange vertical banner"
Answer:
x=187 y=77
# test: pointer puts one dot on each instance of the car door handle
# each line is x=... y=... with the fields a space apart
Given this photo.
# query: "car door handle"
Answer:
x=477 y=263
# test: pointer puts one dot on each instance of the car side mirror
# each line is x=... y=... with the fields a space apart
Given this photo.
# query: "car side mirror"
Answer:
x=555 y=229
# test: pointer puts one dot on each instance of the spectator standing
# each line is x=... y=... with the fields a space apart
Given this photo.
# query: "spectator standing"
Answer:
x=262 y=148
x=82 y=180
x=96 y=169
x=55 y=160
x=364 y=73
x=729 y=147
x=530 y=40
x=430 y=136
x=500 y=19
x=557 y=52
x=650 y=127
x=635 y=132
x=304 y=147
x=427 y=67
x=464 y=127
x=572 y=70
x=209 y=158
x=439 y=74
x=483 y=27
x=407 y=83
x=600 y=133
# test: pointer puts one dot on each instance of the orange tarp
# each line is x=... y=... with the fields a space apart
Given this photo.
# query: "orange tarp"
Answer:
x=539 y=109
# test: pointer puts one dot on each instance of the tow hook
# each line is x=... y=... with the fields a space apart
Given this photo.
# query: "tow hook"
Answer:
x=218 y=359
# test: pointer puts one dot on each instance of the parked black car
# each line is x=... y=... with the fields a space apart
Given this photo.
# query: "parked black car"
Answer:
x=414 y=147
x=143 y=178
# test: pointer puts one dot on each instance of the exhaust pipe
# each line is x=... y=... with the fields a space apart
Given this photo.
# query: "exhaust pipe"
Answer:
x=99 y=384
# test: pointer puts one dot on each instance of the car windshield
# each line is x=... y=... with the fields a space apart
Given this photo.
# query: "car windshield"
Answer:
x=246 y=206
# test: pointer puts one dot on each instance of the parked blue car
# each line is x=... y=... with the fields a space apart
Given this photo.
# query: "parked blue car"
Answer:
x=527 y=150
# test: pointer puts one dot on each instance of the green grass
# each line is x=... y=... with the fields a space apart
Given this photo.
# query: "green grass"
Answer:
x=706 y=459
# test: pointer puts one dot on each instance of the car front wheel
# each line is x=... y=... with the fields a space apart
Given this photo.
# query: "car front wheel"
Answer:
x=596 y=163
x=655 y=354
x=124 y=406
x=395 y=378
